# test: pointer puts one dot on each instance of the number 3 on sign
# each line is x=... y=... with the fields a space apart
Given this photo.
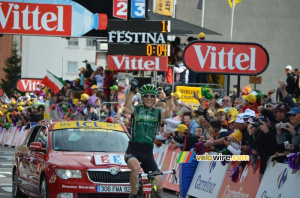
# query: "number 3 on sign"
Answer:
x=120 y=9
x=138 y=8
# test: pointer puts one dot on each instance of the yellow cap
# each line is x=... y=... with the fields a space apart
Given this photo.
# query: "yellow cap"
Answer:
x=221 y=110
x=233 y=118
x=75 y=100
x=84 y=97
x=176 y=94
x=20 y=108
x=94 y=87
x=237 y=135
x=250 y=98
x=182 y=128
x=201 y=35
x=232 y=111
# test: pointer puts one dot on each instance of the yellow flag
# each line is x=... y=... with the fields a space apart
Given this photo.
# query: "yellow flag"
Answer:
x=164 y=7
x=235 y=2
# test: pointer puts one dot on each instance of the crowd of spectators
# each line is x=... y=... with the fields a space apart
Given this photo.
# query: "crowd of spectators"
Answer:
x=253 y=125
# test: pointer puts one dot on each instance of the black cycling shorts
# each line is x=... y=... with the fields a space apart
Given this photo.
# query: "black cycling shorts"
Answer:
x=143 y=152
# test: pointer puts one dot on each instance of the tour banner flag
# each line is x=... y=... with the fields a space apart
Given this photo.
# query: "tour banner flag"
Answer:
x=53 y=82
x=235 y=2
x=164 y=7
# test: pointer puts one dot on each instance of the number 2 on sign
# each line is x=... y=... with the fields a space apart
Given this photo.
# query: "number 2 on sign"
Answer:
x=105 y=158
x=123 y=9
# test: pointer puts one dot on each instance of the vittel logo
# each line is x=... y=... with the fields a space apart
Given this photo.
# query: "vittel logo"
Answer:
x=226 y=57
x=30 y=18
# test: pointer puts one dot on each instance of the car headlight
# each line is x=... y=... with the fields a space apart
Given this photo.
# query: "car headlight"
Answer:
x=66 y=174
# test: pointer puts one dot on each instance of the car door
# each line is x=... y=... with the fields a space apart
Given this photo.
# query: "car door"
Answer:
x=25 y=160
x=37 y=159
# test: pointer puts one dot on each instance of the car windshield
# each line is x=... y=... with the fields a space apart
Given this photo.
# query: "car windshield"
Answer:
x=89 y=140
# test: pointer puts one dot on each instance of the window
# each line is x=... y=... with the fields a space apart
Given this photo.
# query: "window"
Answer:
x=90 y=42
x=32 y=135
x=72 y=67
x=73 y=42
x=42 y=137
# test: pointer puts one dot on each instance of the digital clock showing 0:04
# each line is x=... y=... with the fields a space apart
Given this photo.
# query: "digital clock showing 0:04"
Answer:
x=157 y=50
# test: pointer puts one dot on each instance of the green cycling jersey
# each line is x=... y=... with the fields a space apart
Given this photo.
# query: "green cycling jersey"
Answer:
x=145 y=123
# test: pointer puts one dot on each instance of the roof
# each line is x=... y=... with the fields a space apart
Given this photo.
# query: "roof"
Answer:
x=179 y=27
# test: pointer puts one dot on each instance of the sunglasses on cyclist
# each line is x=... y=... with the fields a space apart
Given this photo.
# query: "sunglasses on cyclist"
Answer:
x=149 y=95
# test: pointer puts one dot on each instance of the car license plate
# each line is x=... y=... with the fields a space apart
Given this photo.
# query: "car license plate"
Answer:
x=113 y=189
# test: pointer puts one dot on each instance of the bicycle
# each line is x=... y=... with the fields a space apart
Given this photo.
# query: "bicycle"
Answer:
x=151 y=180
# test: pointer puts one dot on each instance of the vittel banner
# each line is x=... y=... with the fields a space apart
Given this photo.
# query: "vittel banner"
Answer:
x=28 y=84
x=278 y=181
x=226 y=57
x=207 y=179
x=137 y=63
x=48 y=17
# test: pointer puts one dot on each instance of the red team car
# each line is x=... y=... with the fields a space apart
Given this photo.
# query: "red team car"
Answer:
x=72 y=159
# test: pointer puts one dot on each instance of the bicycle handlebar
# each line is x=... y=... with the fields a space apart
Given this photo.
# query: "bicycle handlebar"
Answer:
x=153 y=174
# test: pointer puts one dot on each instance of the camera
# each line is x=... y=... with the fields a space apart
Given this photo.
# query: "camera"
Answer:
x=217 y=95
x=286 y=143
x=282 y=125
x=256 y=124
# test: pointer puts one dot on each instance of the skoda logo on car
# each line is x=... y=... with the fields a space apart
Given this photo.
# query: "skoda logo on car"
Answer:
x=114 y=171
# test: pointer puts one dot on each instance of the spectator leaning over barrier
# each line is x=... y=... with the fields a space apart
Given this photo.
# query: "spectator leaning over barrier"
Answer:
x=31 y=115
x=190 y=122
x=262 y=141
x=293 y=127
x=91 y=114
x=188 y=140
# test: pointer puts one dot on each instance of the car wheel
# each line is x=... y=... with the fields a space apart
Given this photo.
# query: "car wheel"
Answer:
x=16 y=192
x=44 y=188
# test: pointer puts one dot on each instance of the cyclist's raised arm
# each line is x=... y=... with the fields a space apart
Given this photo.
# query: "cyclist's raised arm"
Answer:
x=167 y=112
x=128 y=101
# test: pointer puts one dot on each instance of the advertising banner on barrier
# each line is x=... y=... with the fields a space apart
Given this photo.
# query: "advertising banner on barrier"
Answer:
x=6 y=136
x=278 y=181
x=17 y=136
x=2 y=131
x=23 y=135
x=170 y=164
x=241 y=188
x=207 y=179
x=11 y=136
x=159 y=154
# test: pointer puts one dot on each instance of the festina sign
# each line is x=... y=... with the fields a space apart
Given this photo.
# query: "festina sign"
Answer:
x=28 y=84
x=226 y=57
x=137 y=63
x=137 y=37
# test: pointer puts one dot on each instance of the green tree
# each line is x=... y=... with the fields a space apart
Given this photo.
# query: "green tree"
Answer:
x=12 y=70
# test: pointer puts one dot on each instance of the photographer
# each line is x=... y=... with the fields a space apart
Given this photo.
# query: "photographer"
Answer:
x=293 y=127
x=262 y=141
x=182 y=135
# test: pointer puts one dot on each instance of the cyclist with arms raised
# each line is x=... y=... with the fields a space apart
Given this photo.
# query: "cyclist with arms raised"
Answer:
x=145 y=120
